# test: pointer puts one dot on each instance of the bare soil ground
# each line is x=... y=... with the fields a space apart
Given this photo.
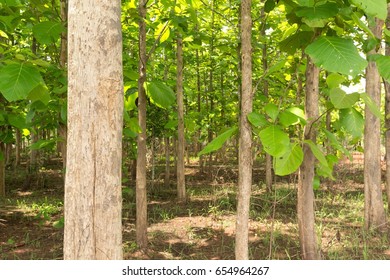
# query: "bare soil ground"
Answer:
x=204 y=227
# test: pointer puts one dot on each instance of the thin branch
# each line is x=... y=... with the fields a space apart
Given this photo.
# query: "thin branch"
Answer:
x=156 y=42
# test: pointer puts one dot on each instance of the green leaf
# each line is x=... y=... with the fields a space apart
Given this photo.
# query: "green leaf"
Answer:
x=17 y=121
x=17 y=80
x=341 y=99
x=274 y=140
x=335 y=143
x=163 y=31
x=272 y=111
x=371 y=105
x=296 y=41
x=129 y=133
x=317 y=152
x=376 y=8
x=269 y=5
x=257 y=119
x=130 y=102
x=383 y=63
x=171 y=124
x=11 y=3
x=324 y=165
x=160 y=94
x=317 y=16
x=40 y=93
x=287 y=118
x=48 y=32
x=362 y=25
x=316 y=183
x=133 y=125
x=336 y=54
x=218 y=142
x=43 y=144
x=59 y=224
x=276 y=67
x=290 y=161
x=334 y=80
x=352 y=121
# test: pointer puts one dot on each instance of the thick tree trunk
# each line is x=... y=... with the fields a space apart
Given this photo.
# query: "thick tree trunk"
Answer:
x=93 y=187
x=306 y=222
x=141 y=197
x=374 y=213
x=387 y=120
x=245 y=142
x=181 y=187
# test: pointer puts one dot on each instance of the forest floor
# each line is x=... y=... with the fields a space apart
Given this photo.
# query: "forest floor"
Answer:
x=203 y=228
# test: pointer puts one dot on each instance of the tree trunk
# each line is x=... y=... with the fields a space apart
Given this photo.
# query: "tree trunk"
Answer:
x=374 y=213
x=306 y=222
x=245 y=142
x=18 y=147
x=167 y=163
x=387 y=120
x=141 y=197
x=93 y=187
x=2 y=169
x=181 y=187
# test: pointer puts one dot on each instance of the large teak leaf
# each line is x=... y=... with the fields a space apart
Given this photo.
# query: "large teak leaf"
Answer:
x=18 y=80
x=160 y=94
x=274 y=140
x=341 y=99
x=336 y=54
x=48 y=32
x=290 y=161
x=376 y=8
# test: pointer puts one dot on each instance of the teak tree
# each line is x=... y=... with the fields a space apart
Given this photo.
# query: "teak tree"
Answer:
x=93 y=187
x=374 y=213
x=245 y=142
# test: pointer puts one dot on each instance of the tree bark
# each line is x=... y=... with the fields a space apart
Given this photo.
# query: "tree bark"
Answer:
x=245 y=141
x=181 y=187
x=141 y=196
x=93 y=187
x=18 y=147
x=387 y=119
x=2 y=169
x=374 y=213
x=167 y=163
x=305 y=208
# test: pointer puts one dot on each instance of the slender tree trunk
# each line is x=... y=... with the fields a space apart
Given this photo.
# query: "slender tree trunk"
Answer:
x=93 y=185
x=181 y=187
x=387 y=119
x=62 y=129
x=141 y=197
x=2 y=169
x=18 y=147
x=167 y=163
x=306 y=222
x=245 y=142
x=374 y=213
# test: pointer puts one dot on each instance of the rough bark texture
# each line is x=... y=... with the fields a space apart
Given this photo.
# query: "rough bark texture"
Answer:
x=141 y=198
x=305 y=208
x=245 y=141
x=387 y=119
x=167 y=162
x=181 y=187
x=93 y=187
x=374 y=213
